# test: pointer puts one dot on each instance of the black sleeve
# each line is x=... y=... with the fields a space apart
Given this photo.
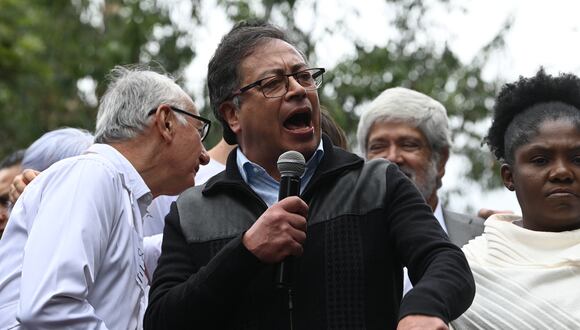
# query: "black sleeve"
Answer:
x=443 y=285
x=184 y=295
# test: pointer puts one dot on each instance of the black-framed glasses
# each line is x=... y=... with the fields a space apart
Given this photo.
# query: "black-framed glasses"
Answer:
x=203 y=130
x=277 y=86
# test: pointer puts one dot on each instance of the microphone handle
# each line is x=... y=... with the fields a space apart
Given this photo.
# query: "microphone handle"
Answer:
x=289 y=186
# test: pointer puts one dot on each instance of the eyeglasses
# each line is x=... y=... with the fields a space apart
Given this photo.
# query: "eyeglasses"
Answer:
x=203 y=130
x=277 y=86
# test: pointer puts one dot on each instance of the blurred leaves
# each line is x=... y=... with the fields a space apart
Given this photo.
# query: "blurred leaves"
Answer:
x=50 y=48
x=46 y=47
x=411 y=59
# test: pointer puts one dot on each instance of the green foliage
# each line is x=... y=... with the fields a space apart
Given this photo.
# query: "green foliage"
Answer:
x=46 y=47
x=404 y=61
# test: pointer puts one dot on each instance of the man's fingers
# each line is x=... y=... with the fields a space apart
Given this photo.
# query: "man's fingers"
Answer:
x=296 y=249
x=279 y=232
x=486 y=213
x=28 y=175
x=297 y=222
x=20 y=182
x=297 y=235
x=294 y=204
x=13 y=195
x=16 y=188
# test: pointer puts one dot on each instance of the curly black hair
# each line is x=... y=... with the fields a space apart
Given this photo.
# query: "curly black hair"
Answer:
x=540 y=97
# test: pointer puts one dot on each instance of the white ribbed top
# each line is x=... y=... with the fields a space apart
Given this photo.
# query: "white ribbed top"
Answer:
x=525 y=279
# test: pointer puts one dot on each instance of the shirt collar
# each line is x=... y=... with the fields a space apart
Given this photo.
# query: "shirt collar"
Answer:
x=132 y=180
x=438 y=213
x=248 y=168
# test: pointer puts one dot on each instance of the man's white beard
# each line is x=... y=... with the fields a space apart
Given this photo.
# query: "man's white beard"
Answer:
x=427 y=183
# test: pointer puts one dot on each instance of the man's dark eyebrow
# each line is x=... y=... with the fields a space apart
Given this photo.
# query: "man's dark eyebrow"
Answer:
x=279 y=71
x=298 y=66
x=271 y=72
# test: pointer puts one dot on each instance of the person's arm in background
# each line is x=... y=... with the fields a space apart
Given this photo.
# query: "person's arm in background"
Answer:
x=65 y=248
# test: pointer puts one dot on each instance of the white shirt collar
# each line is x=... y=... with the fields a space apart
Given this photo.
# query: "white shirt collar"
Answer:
x=132 y=180
x=438 y=213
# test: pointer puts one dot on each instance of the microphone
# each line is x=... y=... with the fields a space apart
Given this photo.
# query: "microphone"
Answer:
x=291 y=166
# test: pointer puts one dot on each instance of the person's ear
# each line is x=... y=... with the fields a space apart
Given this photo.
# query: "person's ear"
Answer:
x=165 y=122
x=507 y=176
x=230 y=113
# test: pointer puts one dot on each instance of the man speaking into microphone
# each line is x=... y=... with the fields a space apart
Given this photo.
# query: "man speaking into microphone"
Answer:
x=350 y=232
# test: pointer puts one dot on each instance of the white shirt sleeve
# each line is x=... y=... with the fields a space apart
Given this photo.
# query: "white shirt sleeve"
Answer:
x=152 y=249
x=65 y=248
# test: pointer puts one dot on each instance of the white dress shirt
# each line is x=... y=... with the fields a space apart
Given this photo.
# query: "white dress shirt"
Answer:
x=72 y=254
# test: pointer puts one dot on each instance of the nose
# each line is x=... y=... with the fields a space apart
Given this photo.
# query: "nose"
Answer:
x=204 y=156
x=294 y=88
x=393 y=154
x=561 y=171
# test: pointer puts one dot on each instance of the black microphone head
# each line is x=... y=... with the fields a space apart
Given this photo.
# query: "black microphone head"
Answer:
x=291 y=163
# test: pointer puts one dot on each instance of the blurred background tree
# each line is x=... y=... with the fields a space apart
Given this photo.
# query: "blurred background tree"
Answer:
x=54 y=56
x=410 y=58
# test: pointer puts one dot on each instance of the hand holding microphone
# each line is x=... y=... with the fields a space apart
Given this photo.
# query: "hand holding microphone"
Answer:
x=281 y=230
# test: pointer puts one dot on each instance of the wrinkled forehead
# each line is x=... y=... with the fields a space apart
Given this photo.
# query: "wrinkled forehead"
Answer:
x=397 y=129
x=271 y=56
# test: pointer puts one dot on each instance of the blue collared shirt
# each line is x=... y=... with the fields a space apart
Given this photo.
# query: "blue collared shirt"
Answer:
x=267 y=187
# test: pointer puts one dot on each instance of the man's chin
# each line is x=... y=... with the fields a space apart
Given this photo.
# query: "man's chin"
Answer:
x=306 y=149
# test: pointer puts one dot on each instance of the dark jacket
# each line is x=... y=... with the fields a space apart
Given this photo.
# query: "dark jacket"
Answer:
x=365 y=222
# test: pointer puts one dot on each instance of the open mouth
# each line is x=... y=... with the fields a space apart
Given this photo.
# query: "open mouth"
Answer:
x=299 y=121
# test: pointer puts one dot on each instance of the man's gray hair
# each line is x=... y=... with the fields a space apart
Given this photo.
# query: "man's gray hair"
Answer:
x=131 y=94
x=56 y=145
x=410 y=107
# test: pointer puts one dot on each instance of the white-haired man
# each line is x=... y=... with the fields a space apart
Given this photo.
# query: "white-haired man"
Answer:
x=411 y=129
x=73 y=257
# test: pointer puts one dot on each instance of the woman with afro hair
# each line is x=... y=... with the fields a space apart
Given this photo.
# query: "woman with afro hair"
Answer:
x=527 y=268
